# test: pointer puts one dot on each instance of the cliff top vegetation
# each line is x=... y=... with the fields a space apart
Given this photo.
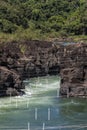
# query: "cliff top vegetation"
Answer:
x=42 y=19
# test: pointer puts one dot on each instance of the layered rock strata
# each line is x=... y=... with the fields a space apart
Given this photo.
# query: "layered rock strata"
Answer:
x=19 y=61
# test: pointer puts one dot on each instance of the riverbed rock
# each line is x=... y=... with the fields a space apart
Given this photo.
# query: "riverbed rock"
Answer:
x=10 y=82
x=25 y=59
x=74 y=75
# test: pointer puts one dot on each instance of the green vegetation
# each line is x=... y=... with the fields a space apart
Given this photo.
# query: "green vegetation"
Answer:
x=42 y=19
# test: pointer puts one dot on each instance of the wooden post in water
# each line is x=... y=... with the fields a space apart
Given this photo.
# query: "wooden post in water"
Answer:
x=35 y=113
x=28 y=126
x=43 y=126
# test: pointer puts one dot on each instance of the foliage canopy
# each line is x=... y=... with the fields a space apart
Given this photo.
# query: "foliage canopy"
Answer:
x=66 y=16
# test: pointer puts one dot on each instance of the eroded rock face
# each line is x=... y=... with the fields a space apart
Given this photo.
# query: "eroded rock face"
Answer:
x=74 y=75
x=19 y=61
x=10 y=82
x=72 y=80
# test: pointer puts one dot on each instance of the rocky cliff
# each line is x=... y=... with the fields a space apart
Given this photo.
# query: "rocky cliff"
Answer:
x=19 y=61
x=74 y=74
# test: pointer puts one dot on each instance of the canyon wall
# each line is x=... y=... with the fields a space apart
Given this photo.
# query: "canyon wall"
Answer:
x=22 y=60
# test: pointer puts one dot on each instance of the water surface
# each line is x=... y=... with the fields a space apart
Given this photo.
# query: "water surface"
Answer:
x=42 y=109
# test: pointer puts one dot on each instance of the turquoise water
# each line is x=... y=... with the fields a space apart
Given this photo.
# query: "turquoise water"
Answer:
x=42 y=109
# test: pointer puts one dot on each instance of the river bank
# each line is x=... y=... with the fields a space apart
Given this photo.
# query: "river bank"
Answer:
x=22 y=60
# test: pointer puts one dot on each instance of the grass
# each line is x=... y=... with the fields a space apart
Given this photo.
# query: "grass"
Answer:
x=80 y=38
x=29 y=34
x=21 y=35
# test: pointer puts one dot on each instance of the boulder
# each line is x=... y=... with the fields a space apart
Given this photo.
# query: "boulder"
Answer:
x=10 y=82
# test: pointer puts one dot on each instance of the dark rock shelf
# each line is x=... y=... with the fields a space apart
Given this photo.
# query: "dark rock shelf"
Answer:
x=19 y=61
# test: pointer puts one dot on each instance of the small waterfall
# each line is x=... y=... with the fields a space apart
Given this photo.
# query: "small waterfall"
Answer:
x=37 y=90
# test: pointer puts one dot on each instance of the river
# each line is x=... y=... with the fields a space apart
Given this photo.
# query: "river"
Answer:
x=41 y=108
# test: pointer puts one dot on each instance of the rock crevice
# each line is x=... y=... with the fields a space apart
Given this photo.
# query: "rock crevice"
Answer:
x=19 y=61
